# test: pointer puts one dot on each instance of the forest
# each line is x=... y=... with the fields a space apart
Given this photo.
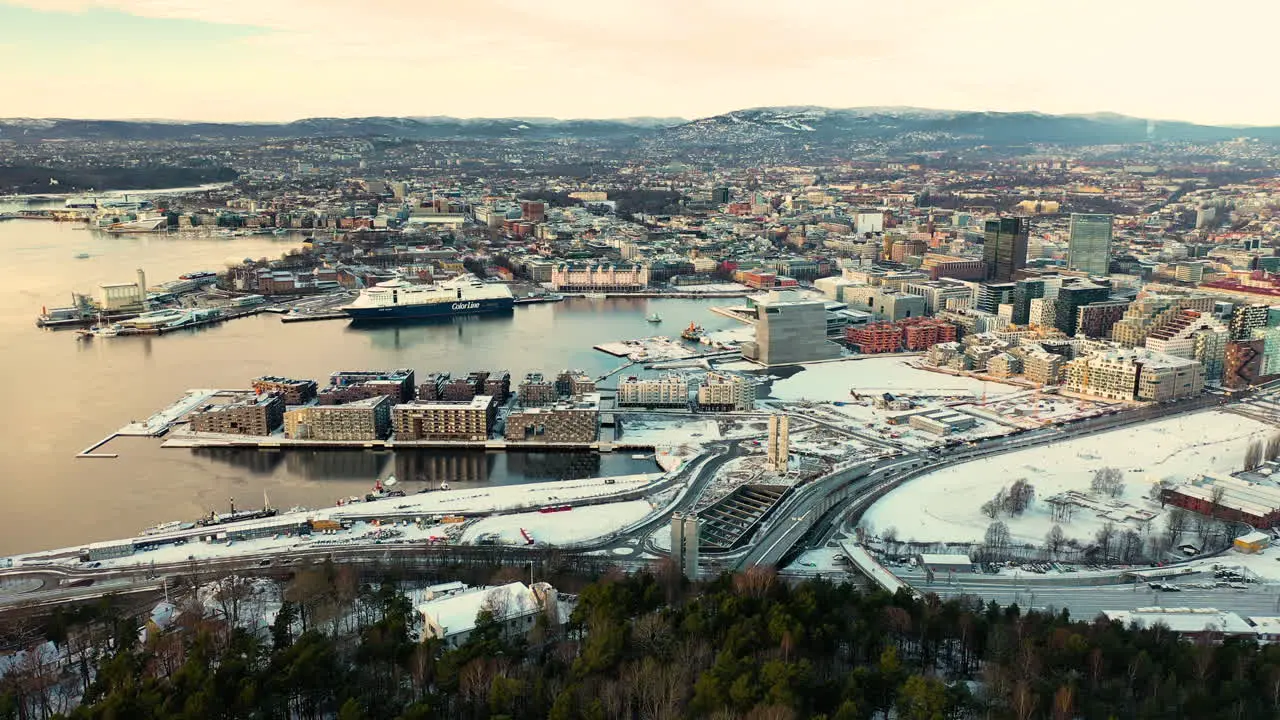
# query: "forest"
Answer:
x=748 y=645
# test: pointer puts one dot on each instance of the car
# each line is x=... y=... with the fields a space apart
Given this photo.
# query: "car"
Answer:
x=265 y=562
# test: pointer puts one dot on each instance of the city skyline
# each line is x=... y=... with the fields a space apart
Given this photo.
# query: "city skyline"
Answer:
x=239 y=61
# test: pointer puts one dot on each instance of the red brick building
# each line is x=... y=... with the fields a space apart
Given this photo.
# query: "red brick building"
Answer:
x=759 y=279
x=923 y=333
x=875 y=338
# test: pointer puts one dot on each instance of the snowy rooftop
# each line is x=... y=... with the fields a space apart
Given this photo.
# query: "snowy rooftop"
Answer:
x=457 y=613
x=1184 y=620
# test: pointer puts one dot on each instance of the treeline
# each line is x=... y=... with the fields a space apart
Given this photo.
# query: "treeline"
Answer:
x=645 y=646
x=24 y=179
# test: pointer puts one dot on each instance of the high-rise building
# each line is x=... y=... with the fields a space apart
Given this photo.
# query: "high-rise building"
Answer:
x=685 y=538
x=1089 y=244
x=779 y=444
x=1004 y=249
x=720 y=195
x=1095 y=320
x=991 y=295
x=1073 y=297
x=1024 y=291
x=790 y=329
x=1247 y=318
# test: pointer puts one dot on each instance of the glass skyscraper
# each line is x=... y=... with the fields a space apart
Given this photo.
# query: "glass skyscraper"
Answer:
x=1004 y=248
x=1089 y=247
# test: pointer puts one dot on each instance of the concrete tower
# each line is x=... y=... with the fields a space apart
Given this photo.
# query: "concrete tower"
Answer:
x=686 y=531
x=142 y=289
x=779 y=447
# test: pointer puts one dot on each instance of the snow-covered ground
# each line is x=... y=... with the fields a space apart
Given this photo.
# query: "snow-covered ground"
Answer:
x=738 y=472
x=834 y=380
x=821 y=561
x=713 y=288
x=170 y=415
x=561 y=528
x=945 y=505
x=663 y=432
x=649 y=349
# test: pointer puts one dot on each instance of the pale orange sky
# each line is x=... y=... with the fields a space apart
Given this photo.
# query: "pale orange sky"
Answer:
x=288 y=59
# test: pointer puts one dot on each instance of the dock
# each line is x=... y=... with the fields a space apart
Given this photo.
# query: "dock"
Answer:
x=293 y=317
x=159 y=423
x=89 y=451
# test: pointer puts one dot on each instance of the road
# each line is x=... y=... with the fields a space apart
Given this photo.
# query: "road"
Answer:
x=810 y=505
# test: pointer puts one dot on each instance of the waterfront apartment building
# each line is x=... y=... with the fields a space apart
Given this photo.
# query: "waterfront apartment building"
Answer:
x=536 y=391
x=671 y=391
x=725 y=393
x=923 y=333
x=790 y=329
x=574 y=383
x=469 y=420
x=253 y=415
x=1004 y=249
x=567 y=421
x=368 y=419
x=295 y=392
x=433 y=384
x=875 y=338
x=1089 y=243
x=1134 y=374
x=343 y=394
x=605 y=277
x=497 y=385
x=403 y=377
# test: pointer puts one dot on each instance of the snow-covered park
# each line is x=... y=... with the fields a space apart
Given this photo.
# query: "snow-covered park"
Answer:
x=946 y=505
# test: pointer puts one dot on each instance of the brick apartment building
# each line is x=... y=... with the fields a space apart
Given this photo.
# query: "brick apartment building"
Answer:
x=252 y=415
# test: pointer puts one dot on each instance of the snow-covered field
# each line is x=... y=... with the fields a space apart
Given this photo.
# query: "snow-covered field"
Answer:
x=945 y=505
x=834 y=380
x=578 y=525
x=663 y=432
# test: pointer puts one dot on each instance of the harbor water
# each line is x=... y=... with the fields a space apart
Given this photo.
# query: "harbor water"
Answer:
x=61 y=395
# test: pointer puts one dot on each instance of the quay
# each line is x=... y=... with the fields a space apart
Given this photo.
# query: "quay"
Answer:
x=276 y=442
x=667 y=295
x=293 y=317
x=89 y=451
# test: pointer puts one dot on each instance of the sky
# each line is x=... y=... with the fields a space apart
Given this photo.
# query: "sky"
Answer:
x=274 y=60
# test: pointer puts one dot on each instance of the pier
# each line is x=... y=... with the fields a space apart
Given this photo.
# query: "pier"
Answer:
x=89 y=451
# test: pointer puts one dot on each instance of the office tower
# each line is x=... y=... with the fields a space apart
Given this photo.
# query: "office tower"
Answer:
x=1073 y=297
x=1004 y=247
x=720 y=195
x=685 y=536
x=991 y=295
x=1089 y=245
x=1024 y=291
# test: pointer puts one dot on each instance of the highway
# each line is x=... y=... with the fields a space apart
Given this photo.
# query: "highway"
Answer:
x=859 y=484
x=825 y=504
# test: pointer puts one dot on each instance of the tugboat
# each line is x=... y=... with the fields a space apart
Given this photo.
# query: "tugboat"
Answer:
x=693 y=332
x=654 y=318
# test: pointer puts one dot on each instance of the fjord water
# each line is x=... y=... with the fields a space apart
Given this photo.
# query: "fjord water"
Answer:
x=61 y=395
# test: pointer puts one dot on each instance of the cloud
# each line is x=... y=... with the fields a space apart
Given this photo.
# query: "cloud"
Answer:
x=693 y=57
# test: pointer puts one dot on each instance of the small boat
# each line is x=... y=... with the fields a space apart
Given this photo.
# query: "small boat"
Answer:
x=279 y=231
x=693 y=332
x=444 y=485
x=654 y=318
x=82 y=256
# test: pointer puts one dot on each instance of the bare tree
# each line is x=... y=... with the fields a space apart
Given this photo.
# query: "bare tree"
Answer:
x=1020 y=497
x=1105 y=535
x=1107 y=481
x=1054 y=540
x=1253 y=455
x=1176 y=523
x=996 y=540
x=1156 y=494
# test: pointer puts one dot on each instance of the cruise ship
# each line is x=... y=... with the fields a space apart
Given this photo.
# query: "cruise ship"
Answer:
x=401 y=300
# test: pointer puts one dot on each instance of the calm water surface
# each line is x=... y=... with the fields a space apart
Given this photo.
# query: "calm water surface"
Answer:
x=61 y=395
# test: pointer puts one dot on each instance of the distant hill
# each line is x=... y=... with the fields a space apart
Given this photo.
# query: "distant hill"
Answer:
x=814 y=126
